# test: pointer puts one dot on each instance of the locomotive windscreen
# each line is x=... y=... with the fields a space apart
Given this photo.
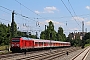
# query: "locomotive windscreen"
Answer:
x=15 y=40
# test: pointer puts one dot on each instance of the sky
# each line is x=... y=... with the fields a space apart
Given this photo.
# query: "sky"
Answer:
x=33 y=15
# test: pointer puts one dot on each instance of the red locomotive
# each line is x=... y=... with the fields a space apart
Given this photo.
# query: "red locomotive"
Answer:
x=22 y=43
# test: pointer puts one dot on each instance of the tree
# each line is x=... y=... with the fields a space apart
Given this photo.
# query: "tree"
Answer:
x=86 y=38
x=55 y=36
x=87 y=41
x=61 y=35
x=42 y=35
x=13 y=29
x=3 y=34
x=50 y=29
x=46 y=33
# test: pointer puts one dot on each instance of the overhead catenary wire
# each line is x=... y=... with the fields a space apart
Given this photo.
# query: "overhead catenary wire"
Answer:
x=30 y=9
x=5 y=19
x=73 y=10
x=62 y=16
x=6 y=8
x=38 y=18
x=24 y=16
x=4 y=11
x=29 y=17
x=71 y=7
x=70 y=12
x=18 y=13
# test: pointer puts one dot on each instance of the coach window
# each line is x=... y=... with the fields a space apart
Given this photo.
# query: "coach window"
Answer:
x=44 y=43
x=40 y=43
x=61 y=44
x=36 y=43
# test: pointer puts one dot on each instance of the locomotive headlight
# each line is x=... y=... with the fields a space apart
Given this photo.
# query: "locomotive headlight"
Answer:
x=18 y=45
x=12 y=45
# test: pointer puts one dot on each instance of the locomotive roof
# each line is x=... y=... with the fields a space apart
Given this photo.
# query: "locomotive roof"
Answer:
x=25 y=38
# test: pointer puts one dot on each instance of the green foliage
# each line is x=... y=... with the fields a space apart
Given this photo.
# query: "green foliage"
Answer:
x=3 y=34
x=42 y=35
x=76 y=42
x=87 y=45
x=87 y=41
x=59 y=36
x=13 y=29
x=6 y=34
x=21 y=34
x=50 y=30
x=87 y=38
x=3 y=47
x=33 y=36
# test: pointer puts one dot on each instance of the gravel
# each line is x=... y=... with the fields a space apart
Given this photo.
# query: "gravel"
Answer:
x=69 y=56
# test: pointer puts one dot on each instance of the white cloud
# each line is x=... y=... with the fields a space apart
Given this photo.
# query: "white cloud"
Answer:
x=37 y=12
x=88 y=23
x=88 y=7
x=78 y=18
x=47 y=10
x=54 y=22
x=50 y=9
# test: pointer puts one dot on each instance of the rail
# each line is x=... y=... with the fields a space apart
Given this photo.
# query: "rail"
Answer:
x=39 y=55
x=82 y=55
x=48 y=56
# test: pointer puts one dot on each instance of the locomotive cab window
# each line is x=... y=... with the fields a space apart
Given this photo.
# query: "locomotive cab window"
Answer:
x=15 y=40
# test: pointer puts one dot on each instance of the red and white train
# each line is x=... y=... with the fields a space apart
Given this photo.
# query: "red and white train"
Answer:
x=22 y=43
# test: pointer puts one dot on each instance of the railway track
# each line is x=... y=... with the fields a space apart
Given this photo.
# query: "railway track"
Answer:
x=38 y=55
x=82 y=55
x=49 y=55
x=14 y=54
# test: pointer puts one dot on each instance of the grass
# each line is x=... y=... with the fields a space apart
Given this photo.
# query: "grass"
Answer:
x=4 y=52
x=4 y=47
x=87 y=45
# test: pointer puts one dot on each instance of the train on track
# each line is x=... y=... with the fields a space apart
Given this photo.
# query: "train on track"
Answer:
x=24 y=43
